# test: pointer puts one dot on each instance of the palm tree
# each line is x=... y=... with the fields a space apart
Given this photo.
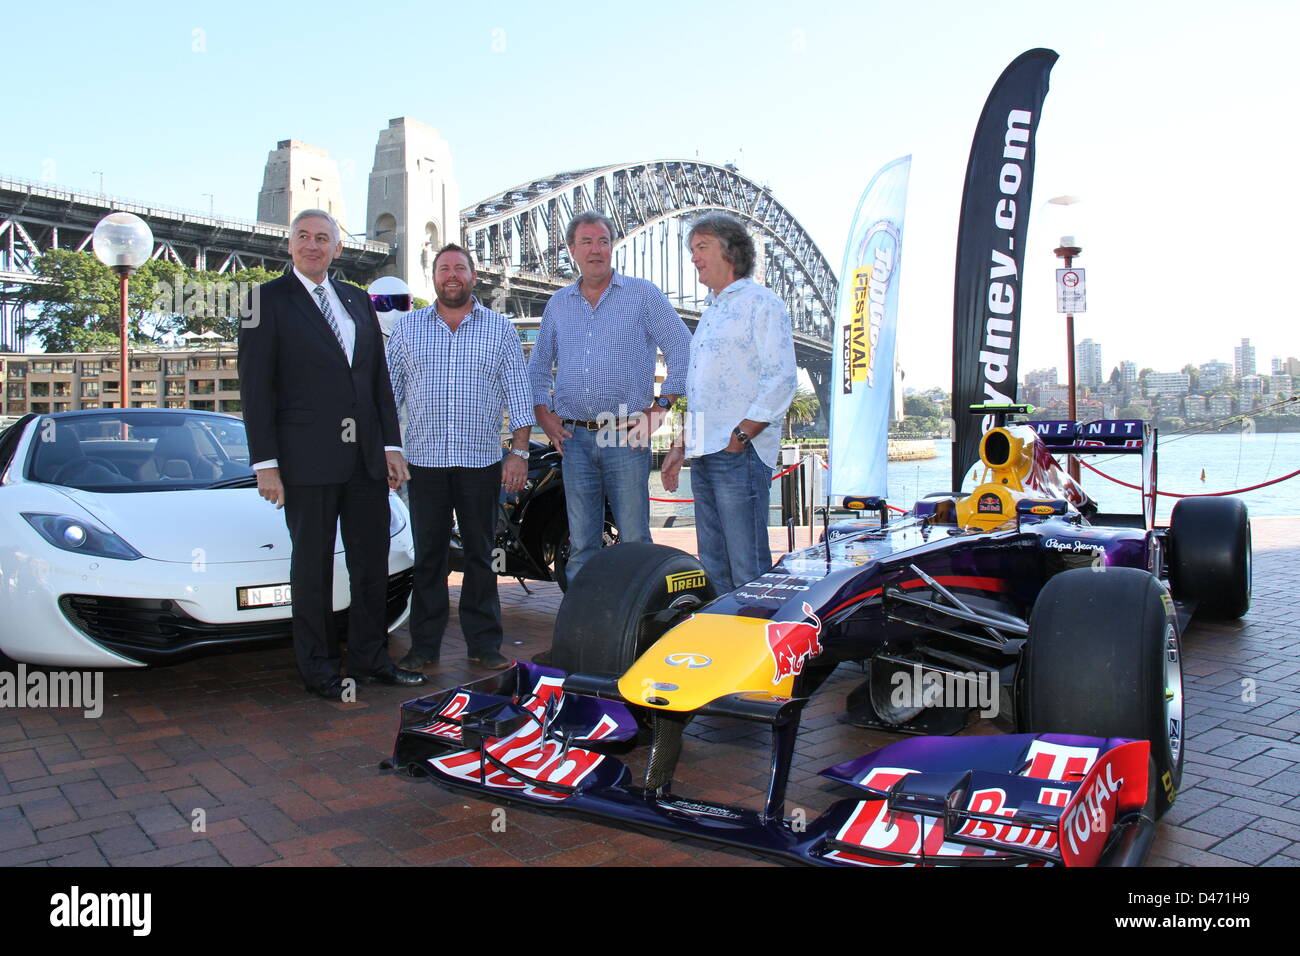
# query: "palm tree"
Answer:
x=803 y=409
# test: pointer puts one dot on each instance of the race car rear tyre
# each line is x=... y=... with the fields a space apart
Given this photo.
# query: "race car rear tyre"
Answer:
x=1103 y=659
x=609 y=613
x=1210 y=559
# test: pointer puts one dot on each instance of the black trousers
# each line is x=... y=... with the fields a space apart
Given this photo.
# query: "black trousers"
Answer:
x=359 y=509
x=472 y=493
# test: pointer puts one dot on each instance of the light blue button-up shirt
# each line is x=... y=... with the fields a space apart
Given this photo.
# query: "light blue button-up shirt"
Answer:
x=588 y=362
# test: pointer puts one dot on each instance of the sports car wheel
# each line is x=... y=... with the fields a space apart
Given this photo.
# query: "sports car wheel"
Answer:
x=1103 y=659
x=622 y=603
x=1210 y=559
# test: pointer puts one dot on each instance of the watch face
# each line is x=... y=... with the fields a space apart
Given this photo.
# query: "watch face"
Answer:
x=663 y=402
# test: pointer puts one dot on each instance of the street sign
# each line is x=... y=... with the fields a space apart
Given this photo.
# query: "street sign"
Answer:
x=1070 y=296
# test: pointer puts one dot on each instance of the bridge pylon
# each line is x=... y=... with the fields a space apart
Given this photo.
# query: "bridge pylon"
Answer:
x=414 y=200
x=299 y=176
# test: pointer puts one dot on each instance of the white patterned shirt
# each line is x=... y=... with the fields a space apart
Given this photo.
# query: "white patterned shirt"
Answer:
x=454 y=386
x=742 y=367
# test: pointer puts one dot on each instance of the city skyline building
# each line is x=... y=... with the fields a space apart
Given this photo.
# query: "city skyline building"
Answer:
x=1243 y=359
x=1087 y=359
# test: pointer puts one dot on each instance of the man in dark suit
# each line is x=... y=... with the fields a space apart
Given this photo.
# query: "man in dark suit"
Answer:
x=323 y=437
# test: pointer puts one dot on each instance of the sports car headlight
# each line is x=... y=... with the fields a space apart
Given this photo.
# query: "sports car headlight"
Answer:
x=82 y=537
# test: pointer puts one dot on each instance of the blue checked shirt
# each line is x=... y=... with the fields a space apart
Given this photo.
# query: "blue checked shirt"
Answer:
x=602 y=360
x=455 y=384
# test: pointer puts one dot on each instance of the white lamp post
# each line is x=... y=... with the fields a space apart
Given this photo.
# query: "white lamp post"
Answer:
x=124 y=243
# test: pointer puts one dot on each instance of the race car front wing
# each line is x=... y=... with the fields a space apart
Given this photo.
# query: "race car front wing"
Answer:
x=524 y=736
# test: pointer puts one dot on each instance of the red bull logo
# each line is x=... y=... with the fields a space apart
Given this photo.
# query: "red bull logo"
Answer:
x=792 y=643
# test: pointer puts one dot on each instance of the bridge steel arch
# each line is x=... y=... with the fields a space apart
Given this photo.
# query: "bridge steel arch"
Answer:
x=520 y=233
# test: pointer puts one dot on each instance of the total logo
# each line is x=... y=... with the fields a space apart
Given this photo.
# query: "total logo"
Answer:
x=688 y=659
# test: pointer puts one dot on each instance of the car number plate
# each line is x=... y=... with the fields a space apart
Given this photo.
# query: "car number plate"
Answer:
x=268 y=595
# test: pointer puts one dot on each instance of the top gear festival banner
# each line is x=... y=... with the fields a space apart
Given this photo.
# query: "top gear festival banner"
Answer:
x=862 y=354
x=991 y=251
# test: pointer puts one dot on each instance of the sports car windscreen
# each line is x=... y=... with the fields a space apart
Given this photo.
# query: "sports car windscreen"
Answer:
x=138 y=452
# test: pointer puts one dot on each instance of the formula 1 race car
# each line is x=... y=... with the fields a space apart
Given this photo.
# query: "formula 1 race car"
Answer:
x=1019 y=593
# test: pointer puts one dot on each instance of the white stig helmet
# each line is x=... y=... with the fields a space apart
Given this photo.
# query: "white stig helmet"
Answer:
x=392 y=300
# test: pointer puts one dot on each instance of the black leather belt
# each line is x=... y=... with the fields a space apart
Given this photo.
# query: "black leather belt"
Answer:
x=591 y=426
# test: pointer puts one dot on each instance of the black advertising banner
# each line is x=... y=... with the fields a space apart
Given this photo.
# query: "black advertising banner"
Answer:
x=991 y=251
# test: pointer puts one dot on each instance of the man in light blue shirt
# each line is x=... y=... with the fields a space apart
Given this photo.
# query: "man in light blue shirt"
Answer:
x=592 y=375
x=741 y=380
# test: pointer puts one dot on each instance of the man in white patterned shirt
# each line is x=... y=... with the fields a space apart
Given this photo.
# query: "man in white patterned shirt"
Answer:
x=455 y=366
x=741 y=379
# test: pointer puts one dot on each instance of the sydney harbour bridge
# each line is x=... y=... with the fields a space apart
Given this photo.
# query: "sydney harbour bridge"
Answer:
x=517 y=237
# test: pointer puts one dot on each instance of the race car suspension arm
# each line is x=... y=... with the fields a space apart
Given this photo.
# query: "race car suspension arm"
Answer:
x=996 y=626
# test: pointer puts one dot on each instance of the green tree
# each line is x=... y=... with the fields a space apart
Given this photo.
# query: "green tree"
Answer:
x=78 y=308
x=918 y=406
x=803 y=410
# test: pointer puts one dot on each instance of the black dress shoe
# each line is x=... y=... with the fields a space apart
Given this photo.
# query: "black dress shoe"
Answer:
x=395 y=676
x=332 y=689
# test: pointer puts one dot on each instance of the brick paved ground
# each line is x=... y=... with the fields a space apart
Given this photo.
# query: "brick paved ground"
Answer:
x=281 y=779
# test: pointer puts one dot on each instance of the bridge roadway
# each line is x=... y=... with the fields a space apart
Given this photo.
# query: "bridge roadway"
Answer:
x=35 y=217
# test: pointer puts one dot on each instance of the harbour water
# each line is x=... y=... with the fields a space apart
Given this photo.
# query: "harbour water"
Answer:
x=1226 y=462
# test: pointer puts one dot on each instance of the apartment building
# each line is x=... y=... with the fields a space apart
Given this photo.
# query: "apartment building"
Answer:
x=203 y=379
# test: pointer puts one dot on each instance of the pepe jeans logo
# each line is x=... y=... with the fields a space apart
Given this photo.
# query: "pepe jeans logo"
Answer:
x=1074 y=547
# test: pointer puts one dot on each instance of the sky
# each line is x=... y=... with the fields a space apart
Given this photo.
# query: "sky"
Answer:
x=1173 y=123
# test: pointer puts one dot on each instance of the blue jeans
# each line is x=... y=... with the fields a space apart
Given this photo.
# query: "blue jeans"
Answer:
x=731 y=495
x=594 y=471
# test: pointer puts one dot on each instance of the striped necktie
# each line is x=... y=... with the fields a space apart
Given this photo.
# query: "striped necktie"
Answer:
x=329 y=316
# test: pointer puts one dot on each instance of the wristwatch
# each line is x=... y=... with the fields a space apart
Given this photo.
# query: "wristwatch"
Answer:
x=662 y=402
x=518 y=451
x=741 y=437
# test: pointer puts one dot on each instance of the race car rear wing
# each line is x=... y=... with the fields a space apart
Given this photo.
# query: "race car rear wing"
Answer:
x=1107 y=436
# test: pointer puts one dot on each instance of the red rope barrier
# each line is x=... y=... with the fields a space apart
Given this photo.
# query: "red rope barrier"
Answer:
x=1204 y=494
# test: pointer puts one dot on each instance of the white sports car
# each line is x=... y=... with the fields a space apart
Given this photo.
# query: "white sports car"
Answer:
x=136 y=536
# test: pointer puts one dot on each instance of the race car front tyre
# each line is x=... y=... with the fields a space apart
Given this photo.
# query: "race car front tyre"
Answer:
x=1210 y=558
x=626 y=597
x=1103 y=659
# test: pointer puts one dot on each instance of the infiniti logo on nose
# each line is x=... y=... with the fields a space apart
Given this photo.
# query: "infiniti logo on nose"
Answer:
x=687 y=659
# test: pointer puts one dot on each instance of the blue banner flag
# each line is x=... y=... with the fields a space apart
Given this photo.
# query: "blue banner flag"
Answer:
x=862 y=357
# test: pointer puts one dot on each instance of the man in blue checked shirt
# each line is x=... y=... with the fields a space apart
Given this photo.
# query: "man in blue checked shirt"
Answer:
x=592 y=373
x=455 y=365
